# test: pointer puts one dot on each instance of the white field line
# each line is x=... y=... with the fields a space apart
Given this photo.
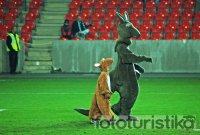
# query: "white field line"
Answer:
x=1 y=110
x=68 y=93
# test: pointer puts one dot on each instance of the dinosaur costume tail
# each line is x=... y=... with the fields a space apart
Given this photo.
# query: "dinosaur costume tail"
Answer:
x=82 y=111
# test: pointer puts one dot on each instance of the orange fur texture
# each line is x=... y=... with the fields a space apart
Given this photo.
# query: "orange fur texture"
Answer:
x=100 y=102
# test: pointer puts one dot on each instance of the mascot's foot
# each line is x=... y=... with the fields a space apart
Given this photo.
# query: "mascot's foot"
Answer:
x=82 y=111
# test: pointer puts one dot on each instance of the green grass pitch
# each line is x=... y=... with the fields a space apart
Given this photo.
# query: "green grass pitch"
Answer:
x=45 y=106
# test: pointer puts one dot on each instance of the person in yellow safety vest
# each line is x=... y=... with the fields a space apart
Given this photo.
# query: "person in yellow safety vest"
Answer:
x=13 y=48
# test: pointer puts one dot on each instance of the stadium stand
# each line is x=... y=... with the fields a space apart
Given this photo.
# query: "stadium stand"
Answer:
x=174 y=16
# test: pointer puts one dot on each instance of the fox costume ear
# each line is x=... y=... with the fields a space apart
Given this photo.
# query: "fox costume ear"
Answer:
x=121 y=18
x=96 y=64
x=126 y=17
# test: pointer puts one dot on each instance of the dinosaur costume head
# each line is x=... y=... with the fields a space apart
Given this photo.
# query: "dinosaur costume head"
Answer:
x=104 y=64
x=125 y=29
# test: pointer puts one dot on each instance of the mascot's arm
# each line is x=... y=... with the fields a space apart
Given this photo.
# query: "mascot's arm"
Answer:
x=128 y=57
x=103 y=85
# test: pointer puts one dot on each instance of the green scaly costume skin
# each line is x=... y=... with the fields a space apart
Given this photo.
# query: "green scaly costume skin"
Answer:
x=124 y=77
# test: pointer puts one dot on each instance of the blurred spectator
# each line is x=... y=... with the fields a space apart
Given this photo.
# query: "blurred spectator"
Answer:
x=79 y=28
x=65 y=30
x=144 y=6
x=13 y=48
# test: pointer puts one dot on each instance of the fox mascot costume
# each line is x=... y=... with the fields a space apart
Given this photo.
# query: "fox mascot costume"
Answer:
x=100 y=102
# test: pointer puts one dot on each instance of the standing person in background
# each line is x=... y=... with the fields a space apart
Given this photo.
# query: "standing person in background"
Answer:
x=79 y=28
x=13 y=48
x=65 y=29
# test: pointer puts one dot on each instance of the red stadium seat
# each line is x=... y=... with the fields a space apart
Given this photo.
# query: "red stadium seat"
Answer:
x=164 y=4
x=144 y=28
x=105 y=29
x=135 y=16
x=188 y=10
x=14 y=11
x=10 y=16
x=173 y=22
x=160 y=22
x=109 y=16
x=35 y=12
x=137 y=4
x=74 y=5
x=169 y=35
x=176 y=4
x=13 y=4
x=109 y=23
x=189 y=4
x=70 y=16
x=3 y=32
x=94 y=28
x=160 y=16
x=26 y=29
x=115 y=29
x=116 y=1
x=195 y=35
x=122 y=10
x=174 y=16
x=115 y=36
x=138 y=11
x=164 y=11
x=87 y=11
x=176 y=10
x=87 y=4
x=187 y=16
x=34 y=4
x=26 y=37
x=147 y=22
x=2 y=13
x=97 y=16
x=186 y=22
x=197 y=16
x=74 y=11
x=97 y=23
x=183 y=29
x=100 y=11
x=85 y=17
x=135 y=23
x=104 y=36
x=112 y=5
x=182 y=36
x=148 y=16
x=125 y=4
x=151 y=10
x=100 y=4
x=144 y=36
x=30 y=17
x=157 y=28
x=92 y=36
x=150 y=4
x=2 y=4
x=196 y=28
x=156 y=36
x=10 y=24
x=170 y=28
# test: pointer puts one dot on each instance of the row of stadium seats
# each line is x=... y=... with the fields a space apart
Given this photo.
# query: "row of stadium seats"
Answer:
x=8 y=19
x=175 y=19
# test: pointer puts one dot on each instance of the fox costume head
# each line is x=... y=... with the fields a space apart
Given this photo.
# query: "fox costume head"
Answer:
x=104 y=64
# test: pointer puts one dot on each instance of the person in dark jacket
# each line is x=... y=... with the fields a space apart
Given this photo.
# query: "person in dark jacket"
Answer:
x=13 y=48
x=65 y=29
x=79 y=28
